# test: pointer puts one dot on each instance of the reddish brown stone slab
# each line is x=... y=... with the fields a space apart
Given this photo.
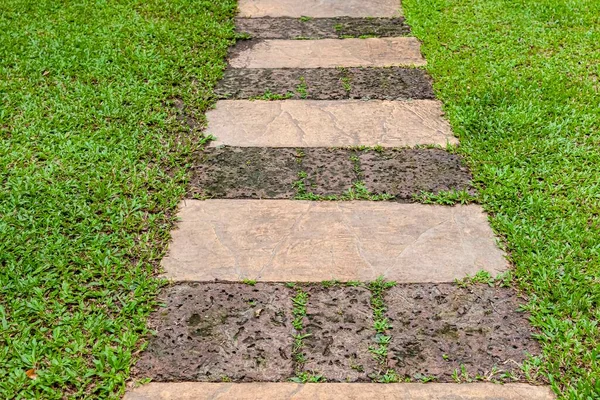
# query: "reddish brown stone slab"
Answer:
x=287 y=240
x=319 y=8
x=217 y=331
x=328 y=53
x=339 y=391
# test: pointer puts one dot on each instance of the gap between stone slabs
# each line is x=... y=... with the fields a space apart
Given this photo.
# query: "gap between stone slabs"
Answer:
x=339 y=391
x=328 y=53
x=315 y=123
x=319 y=8
x=287 y=240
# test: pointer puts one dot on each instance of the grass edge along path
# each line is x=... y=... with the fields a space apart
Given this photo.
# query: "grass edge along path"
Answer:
x=519 y=82
x=101 y=105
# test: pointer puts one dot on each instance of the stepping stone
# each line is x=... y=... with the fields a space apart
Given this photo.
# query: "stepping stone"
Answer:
x=213 y=331
x=275 y=173
x=321 y=28
x=327 y=53
x=313 y=123
x=287 y=240
x=339 y=391
x=319 y=8
x=392 y=83
x=339 y=321
x=441 y=328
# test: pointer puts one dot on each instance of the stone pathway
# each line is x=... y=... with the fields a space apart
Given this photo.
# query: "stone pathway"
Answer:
x=304 y=266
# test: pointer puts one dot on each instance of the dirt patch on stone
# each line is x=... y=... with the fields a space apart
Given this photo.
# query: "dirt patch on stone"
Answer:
x=274 y=173
x=340 y=322
x=437 y=328
x=393 y=83
x=403 y=173
x=321 y=28
x=218 y=331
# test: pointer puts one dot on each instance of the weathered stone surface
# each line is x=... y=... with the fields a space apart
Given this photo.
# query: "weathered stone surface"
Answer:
x=406 y=172
x=441 y=328
x=339 y=391
x=287 y=240
x=319 y=8
x=273 y=173
x=340 y=324
x=312 y=123
x=327 y=53
x=392 y=83
x=321 y=28
x=216 y=331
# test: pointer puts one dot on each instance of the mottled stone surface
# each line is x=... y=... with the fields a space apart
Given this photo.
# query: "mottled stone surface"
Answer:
x=216 y=331
x=319 y=8
x=340 y=324
x=312 y=123
x=287 y=240
x=339 y=391
x=327 y=53
x=392 y=83
x=440 y=328
x=274 y=172
x=321 y=28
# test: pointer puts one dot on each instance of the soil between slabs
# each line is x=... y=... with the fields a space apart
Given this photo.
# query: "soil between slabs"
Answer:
x=321 y=28
x=388 y=83
x=271 y=173
x=437 y=328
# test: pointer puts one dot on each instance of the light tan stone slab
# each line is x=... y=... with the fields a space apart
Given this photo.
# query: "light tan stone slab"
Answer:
x=324 y=123
x=330 y=53
x=339 y=391
x=319 y=8
x=287 y=240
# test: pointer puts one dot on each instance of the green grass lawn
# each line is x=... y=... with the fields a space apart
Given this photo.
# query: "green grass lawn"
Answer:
x=92 y=157
x=520 y=80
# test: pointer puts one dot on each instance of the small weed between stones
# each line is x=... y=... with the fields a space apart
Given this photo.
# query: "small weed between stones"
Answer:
x=270 y=96
x=446 y=198
x=302 y=89
x=250 y=282
x=305 y=19
x=299 y=303
x=358 y=191
x=381 y=326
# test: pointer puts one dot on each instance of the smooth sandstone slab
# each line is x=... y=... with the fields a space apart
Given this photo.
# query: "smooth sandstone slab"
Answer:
x=339 y=391
x=314 y=123
x=287 y=240
x=319 y=8
x=329 y=53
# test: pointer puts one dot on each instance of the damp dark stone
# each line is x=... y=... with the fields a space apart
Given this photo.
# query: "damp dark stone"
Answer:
x=321 y=28
x=389 y=83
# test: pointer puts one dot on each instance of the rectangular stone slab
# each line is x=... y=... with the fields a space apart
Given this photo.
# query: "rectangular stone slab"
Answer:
x=339 y=391
x=313 y=123
x=328 y=53
x=321 y=28
x=274 y=172
x=287 y=240
x=392 y=83
x=319 y=8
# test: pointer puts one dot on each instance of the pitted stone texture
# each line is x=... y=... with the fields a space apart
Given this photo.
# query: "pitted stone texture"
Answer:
x=312 y=123
x=439 y=328
x=321 y=28
x=339 y=391
x=340 y=323
x=404 y=173
x=273 y=172
x=287 y=240
x=319 y=8
x=215 y=331
x=328 y=53
x=392 y=83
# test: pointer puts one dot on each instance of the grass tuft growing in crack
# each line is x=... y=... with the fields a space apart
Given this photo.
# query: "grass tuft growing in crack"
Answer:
x=381 y=326
x=270 y=96
x=446 y=198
